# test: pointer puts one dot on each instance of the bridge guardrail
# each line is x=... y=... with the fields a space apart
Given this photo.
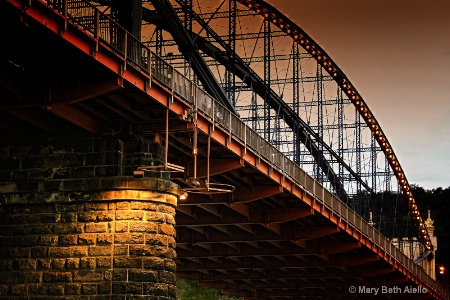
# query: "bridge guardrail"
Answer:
x=102 y=27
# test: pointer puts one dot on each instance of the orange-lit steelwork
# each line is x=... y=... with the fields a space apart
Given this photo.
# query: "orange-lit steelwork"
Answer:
x=327 y=63
x=278 y=232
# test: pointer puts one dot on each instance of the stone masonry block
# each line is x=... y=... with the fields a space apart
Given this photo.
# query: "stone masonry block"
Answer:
x=170 y=219
x=72 y=263
x=104 y=288
x=56 y=289
x=68 y=228
x=87 y=239
x=38 y=252
x=105 y=239
x=30 y=240
x=142 y=275
x=69 y=207
x=74 y=251
x=89 y=288
x=9 y=277
x=48 y=240
x=96 y=216
x=6 y=264
x=165 y=252
x=164 y=208
x=153 y=216
x=146 y=206
x=73 y=159
x=31 y=277
x=52 y=276
x=123 y=205
x=120 y=250
x=38 y=289
x=166 y=229
x=128 y=238
x=166 y=277
x=127 y=262
x=88 y=262
x=69 y=217
x=154 y=263
x=96 y=227
x=22 y=252
x=119 y=274
x=97 y=206
x=129 y=215
x=106 y=250
x=157 y=289
x=43 y=263
x=142 y=250
x=8 y=187
x=19 y=290
x=104 y=262
x=155 y=239
x=87 y=275
x=147 y=227
x=26 y=264
x=127 y=288
x=73 y=289
x=170 y=265
x=68 y=240
x=59 y=263
x=62 y=173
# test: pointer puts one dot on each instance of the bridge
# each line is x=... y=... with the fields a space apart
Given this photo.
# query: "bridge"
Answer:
x=105 y=135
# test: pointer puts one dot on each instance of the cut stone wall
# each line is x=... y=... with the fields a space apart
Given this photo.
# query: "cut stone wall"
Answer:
x=73 y=225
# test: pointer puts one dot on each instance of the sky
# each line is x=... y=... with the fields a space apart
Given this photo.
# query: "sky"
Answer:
x=397 y=55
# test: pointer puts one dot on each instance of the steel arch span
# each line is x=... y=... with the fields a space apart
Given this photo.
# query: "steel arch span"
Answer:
x=263 y=66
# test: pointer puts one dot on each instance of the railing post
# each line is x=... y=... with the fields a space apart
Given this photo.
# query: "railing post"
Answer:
x=125 y=50
x=65 y=13
x=96 y=31
x=245 y=138
x=229 y=128
x=149 y=69
x=172 y=85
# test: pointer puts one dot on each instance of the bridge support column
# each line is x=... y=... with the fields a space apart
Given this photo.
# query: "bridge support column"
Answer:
x=73 y=225
x=130 y=16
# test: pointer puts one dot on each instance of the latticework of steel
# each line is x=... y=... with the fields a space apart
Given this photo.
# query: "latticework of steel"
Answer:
x=283 y=85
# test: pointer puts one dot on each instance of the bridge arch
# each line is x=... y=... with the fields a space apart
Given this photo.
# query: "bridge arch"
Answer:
x=330 y=157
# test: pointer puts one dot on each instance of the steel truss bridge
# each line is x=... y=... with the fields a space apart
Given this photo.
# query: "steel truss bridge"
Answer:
x=294 y=191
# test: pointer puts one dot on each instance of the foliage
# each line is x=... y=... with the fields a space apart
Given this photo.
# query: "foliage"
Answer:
x=189 y=290
x=438 y=202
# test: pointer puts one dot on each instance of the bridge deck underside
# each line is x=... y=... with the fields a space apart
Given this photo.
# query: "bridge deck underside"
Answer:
x=259 y=242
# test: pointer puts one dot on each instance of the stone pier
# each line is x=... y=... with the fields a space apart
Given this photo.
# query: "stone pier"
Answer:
x=75 y=223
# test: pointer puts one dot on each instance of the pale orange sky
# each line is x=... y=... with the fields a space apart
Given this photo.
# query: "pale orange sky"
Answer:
x=397 y=55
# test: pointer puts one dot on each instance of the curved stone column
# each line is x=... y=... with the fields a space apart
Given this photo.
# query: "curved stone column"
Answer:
x=88 y=238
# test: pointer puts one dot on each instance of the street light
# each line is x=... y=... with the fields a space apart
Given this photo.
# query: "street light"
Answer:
x=441 y=270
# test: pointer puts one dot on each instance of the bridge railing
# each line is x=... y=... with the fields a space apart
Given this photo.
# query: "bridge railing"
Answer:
x=221 y=116
x=103 y=29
